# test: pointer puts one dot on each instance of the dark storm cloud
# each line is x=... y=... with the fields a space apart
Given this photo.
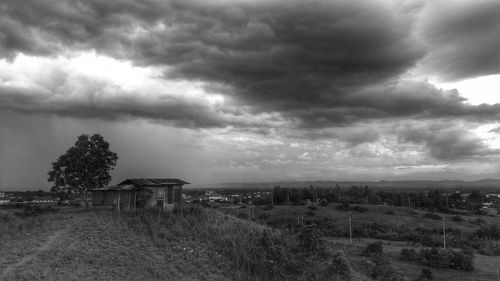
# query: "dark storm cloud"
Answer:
x=447 y=142
x=175 y=112
x=316 y=64
x=463 y=37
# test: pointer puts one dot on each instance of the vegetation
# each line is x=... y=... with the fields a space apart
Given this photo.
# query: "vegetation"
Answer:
x=440 y=258
x=256 y=252
x=84 y=166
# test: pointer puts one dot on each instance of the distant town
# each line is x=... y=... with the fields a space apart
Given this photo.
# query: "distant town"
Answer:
x=473 y=201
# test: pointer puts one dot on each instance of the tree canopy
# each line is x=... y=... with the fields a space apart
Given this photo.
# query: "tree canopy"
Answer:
x=86 y=165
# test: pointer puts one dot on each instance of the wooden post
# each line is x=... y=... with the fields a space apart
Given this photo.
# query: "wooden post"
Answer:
x=164 y=197
x=444 y=234
x=128 y=208
x=350 y=227
x=135 y=200
x=119 y=200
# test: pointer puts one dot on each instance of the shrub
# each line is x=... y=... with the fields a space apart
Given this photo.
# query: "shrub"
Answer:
x=312 y=207
x=408 y=255
x=372 y=249
x=263 y=216
x=432 y=216
x=457 y=218
x=310 y=214
x=309 y=238
x=442 y=258
x=426 y=275
x=268 y=207
x=343 y=207
x=381 y=268
x=340 y=266
x=360 y=209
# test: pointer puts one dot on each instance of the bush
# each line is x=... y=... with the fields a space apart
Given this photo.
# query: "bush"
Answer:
x=360 y=209
x=310 y=214
x=432 y=216
x=426 y=275
x=380 y=267
x=408 y=255
x=263 y=216
x=372 y=249
x=312 y=207
x=340 y=266
x=343 y=207
x=442 y=258
x=457 y=218
x=268 y=207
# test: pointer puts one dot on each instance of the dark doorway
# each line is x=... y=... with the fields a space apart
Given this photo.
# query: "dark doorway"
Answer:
x=159 y=204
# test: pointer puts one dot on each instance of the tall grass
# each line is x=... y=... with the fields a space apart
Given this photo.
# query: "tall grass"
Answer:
x=256 y=251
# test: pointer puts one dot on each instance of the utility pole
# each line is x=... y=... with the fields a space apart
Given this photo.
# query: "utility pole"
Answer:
x=444 y=234
x=350 y=227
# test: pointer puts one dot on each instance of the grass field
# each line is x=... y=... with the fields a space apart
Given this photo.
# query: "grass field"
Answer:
x=89 y=245
x=79 y=244
x=486 y=266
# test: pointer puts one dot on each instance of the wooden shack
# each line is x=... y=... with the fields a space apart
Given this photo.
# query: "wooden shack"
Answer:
x=138 y=193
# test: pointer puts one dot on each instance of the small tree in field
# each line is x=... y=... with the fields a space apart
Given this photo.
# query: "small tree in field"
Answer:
x=84 y=166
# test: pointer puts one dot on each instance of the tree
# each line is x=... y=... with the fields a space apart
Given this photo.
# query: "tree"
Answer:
x=84 y=166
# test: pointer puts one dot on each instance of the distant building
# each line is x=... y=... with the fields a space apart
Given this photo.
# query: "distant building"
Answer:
x=134 y=193
x=212 y=196
x=44 y=200
x=2 y=194
x=4 y=200
x=488 y=211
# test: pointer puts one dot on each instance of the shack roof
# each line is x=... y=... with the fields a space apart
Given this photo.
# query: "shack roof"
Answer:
x=126 y=187
x=152 y=182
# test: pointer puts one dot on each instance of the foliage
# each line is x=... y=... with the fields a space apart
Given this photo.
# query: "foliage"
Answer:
x=440 y=258
x=380 y=267
x=372 y=249
x=257 y=252
x=340 y=266
x=312 y=207
x=408 y=255
x=84 y=166
x=426 y=275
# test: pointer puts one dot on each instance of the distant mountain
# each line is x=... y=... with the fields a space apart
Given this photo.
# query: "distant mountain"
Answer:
x=382 y=184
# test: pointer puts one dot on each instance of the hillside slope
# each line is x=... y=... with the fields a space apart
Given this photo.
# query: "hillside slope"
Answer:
x=99 y=246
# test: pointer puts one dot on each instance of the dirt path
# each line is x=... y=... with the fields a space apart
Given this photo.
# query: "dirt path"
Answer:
x=45 y=246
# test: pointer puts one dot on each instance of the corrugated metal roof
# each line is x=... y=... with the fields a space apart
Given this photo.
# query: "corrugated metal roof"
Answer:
x=153 y=182
x=117 y=188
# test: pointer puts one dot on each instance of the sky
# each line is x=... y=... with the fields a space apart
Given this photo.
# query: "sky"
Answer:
x=252 y=91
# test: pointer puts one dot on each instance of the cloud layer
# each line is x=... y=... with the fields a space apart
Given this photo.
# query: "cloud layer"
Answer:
x=352 y=72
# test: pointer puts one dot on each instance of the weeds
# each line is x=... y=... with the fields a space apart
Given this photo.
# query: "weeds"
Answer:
x=257 y=252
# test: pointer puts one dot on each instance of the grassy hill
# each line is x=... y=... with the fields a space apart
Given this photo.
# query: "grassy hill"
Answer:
x=208 y=244
x=99 y=245
x=195 y=244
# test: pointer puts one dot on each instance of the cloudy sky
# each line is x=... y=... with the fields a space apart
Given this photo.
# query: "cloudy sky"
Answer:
x=260 y=90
